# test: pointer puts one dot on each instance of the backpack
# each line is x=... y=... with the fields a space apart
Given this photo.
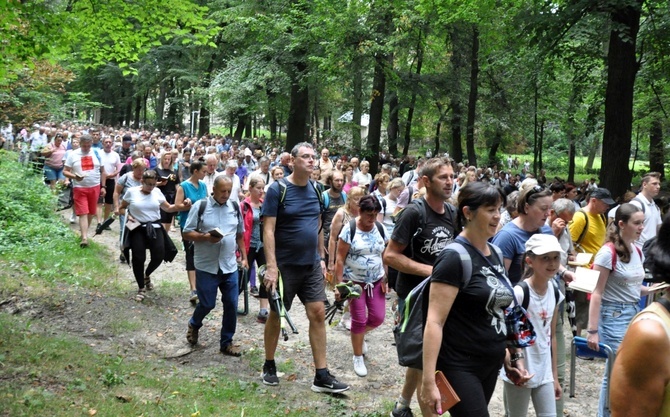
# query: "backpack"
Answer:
x=282 y=193
x=526 y=292
x=422 y=218
x=614 y=255
x=352 y=229
x=408 y=333
x=643 y=203
x=203 y=206
x=586 y=227
x=325 y=197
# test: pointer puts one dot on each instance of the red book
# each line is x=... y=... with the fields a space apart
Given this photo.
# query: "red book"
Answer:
x=449 y=398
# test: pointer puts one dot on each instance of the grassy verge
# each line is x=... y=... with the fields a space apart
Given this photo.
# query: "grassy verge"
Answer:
x=61 y=376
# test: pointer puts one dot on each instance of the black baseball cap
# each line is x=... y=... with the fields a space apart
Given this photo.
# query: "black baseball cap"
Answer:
x=604 y=195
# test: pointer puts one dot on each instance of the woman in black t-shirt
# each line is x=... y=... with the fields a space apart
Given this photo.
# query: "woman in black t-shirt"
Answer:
x=465 y=333
x=168 y=185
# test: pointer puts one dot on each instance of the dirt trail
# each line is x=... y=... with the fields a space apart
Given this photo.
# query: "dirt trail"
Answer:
x=112 y=322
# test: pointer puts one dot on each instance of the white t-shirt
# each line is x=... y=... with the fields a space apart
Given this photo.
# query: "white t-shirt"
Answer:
x=652 y=219
x=364 y=261
x=109 y=161
x=362 y=179
x=623 y=284
x=144 y=207
x=86 y=165
x=540 y=310
x=387 y=220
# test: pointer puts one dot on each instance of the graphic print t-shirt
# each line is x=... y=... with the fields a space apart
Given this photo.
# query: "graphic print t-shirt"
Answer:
x=435 y=236
x=475 y=329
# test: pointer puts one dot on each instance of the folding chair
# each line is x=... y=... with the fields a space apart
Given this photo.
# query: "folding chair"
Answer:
x=243 y=282
x=580 y=347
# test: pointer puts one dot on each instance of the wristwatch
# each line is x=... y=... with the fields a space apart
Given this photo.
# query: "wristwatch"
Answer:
x=517 y=356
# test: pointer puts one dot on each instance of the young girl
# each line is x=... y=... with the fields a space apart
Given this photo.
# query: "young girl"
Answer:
x=540 y=297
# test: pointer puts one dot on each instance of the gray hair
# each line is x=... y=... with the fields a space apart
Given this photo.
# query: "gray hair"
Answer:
x=563 y=205
x=86 y=138
x=296 y=148
x=231 y=164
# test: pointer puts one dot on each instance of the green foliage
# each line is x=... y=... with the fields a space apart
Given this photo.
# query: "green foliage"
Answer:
x=27 y=218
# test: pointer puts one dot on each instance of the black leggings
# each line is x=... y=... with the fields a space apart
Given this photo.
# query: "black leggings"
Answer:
x=139 y=243
x=475 y=388
x=259 y=257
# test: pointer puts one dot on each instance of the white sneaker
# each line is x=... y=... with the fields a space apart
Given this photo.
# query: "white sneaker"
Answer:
x=359 y=366
x=365 y=348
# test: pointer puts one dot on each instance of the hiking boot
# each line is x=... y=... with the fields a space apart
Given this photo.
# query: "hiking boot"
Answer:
x=402 y=412
x=328 y=384
x=270 y=375
x=359 y=366
x=192 y=335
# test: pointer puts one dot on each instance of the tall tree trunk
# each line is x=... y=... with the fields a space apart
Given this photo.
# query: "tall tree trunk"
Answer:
x=497 y=140
x=456 y=135
x=129 y=112
x=656 y=154
x=357 y=73
x=472 y=99
x=393 y=128
x=571 y=160
x=203 y=120
x=436 y=139
x=247 y=126
x=138 y=108
x=412 y=102
x=160 y=102
x=457 y=62
x=539 y=148
x=621 y=72
x=298 y=109
x=272 y=111
x=145 y=106
x=376 y=112
x=593 y=151
x=239 y=129
x=315 y=117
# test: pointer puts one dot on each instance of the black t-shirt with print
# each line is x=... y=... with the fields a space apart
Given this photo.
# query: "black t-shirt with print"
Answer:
x=475 y=331
x=328 y=214
x=435 y=236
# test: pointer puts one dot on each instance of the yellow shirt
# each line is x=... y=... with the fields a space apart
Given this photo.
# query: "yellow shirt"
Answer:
x=594 y=237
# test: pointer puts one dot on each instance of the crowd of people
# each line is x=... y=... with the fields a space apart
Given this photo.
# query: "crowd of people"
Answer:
x=308 y=219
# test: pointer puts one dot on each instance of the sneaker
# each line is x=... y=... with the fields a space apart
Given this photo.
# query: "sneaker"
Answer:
x=270 y=375
x=329 y=385
x=192 y=335
x=365 y=348
x=262 y=318
x=402 y=412
x=72 y=219
x=194 y=297
x=254 y=291
x=359 y=366
x=122 y=258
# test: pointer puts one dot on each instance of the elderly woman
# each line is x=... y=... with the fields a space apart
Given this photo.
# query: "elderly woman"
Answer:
x=167 y=184
x=359 y=260
x=144 y=229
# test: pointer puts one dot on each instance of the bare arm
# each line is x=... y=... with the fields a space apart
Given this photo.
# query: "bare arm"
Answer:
x=440 y=301
x=118 y=188
x=394 y=257
x=640 y=373
x=182 y=204
x=243 y=253
x=558 y=390
x=332 y=239
x=594 y=306
x=270 y=280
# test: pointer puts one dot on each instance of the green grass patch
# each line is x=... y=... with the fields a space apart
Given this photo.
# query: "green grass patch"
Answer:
x=37 y=249
x=61 y=376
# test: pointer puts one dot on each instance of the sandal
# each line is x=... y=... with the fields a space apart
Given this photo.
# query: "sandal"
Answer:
x=83 y=244
x=141 y=295
x=148 y=284
x=231 y=350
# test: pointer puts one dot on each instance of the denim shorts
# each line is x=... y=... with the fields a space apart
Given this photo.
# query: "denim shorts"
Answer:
x=53 y=174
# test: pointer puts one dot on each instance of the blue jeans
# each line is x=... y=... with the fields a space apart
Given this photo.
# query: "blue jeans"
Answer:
x=207 y=285
x=614 y=321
